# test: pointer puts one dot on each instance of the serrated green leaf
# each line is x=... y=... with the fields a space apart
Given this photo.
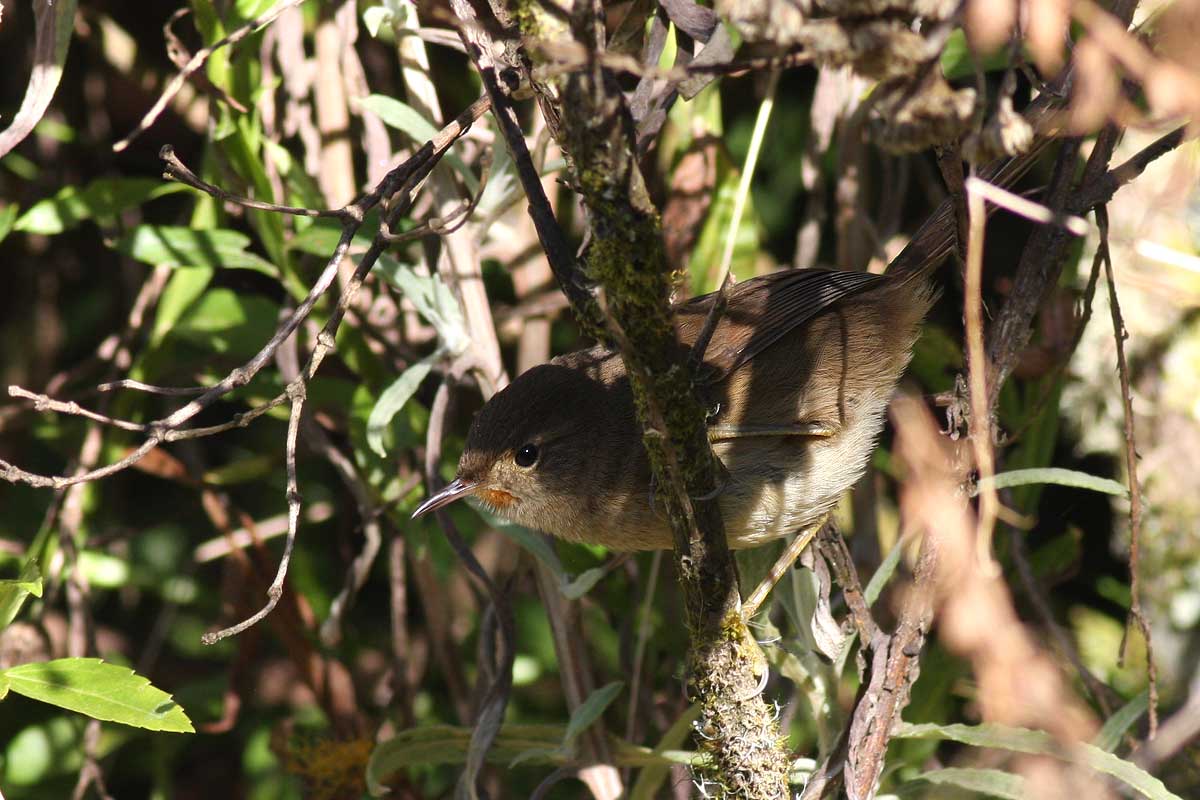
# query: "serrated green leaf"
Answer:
x=1055 y=475
x=990 y=782
x=1109 y=736
x=1024 y=740
x=178 y=246
x=393 y=399
x=100 y=199
x=100 y=690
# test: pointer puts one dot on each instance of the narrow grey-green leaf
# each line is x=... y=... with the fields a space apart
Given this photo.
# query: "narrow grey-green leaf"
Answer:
x=590 y=710
x=990 y=782
x=186 y=247
x=53 y=24
x=651 y=778
x=583 y=583
x=572 y=587
x=100 y=690
x=1055 y=475
x=1115 y=726
x=407 y=120
x=393 y=399
x=448 y=744
x=101 y=199
x=883 y=574
x=433 y=300
x=1024 y=740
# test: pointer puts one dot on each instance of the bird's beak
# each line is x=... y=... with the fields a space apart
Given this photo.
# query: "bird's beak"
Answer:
x=454 y=490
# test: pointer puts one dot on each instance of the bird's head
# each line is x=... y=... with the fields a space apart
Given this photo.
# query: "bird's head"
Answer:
x=530 y=451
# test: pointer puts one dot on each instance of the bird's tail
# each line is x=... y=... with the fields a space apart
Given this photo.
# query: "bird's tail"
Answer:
x=935 y=239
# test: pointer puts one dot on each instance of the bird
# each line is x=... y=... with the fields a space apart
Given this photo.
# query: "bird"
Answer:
x=796 y=379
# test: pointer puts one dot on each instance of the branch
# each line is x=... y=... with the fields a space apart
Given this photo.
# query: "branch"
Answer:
x=625 y=255
x=500 y=77
x=1136 y=613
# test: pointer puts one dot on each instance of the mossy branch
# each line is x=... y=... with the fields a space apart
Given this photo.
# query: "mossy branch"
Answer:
x=625 y=256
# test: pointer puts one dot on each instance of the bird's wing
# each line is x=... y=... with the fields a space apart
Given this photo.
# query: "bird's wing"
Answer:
x=762 y=310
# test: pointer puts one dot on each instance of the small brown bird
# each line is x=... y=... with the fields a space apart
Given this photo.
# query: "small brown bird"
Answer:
x=797 y=375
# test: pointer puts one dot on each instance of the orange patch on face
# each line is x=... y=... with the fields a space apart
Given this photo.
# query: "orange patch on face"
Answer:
x=497 y=498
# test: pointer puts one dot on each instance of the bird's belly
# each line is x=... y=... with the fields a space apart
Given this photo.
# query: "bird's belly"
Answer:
x=784 y=485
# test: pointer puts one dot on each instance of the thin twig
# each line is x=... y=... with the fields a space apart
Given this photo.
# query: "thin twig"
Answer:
x=169 y=391
x=1136 y=613
x=176 y=170
x=981 y=418
x=1176 y=732
x=495 y=697
x=1035 y=212
x=1104 y=189
x=297 y=391
x=196 y=62
x=401 y=180
x=567 y=271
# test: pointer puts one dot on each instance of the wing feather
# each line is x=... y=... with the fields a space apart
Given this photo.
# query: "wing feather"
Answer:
x=762 y=310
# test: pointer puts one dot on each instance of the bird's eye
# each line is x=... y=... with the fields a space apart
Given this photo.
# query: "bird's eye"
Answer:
x=527 y=456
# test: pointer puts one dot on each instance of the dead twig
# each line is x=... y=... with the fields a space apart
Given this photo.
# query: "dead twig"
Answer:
x=1136 y=614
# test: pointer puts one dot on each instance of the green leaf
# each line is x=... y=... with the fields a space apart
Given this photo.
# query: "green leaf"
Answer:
x=434 y=301
x=13 y=591
x=572 y=587
x=883 y=574
x=185 y=247
x=100 y=200
x=991 y=782
x=448 y=744
x=706 y=255
x=1115 y=726
x=957 y=61
x=651 y=778
x=1024 y=740
x=183 y=288
x=7 y=214
x=102 y=691
x=393 y=399
x=409 y=121
x=227 y=322
x=590 y=710
x=1056 y=475
x=322 y=237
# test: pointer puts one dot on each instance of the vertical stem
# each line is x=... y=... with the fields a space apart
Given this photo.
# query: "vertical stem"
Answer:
x=981 y=428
